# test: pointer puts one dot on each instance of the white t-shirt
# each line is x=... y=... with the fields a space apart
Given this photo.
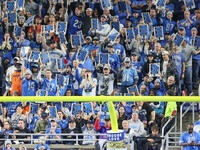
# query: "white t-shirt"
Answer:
x=89 y=86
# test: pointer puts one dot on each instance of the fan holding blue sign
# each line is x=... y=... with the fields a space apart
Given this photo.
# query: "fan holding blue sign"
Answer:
x=115 y=25
x=95 y=23
x=63 y=38
x=103 y=58
x=10 y=6
x=81 y=36
x=34 y=108
x=20 y=4
x=104 y=109
x=154 y=69
x=147 y=18
x=75 y=41
x=105 y=4
x=17 y=31
x=112 y=36
x=42 y=93
x=130 y=35
x=60 y=64
x=143 y=30
x=12 y=18
x=133 y=89
x=189 y=4
x=60 y=80
x=76 y=108
x=29 y=21
x=196 y=43
x=122 y=6
x=44 y=58
x=87 y=108
x=178 y=39
x=61 y=27
x=81 y=56
x=158 y=33
x=53 y=111
x=161 y=4
x=34 y=56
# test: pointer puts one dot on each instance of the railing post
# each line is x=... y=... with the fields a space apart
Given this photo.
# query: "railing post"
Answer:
x=167 y=141
x=76 y=139
x=193 y=112
x=31 y=138
x=181 y=112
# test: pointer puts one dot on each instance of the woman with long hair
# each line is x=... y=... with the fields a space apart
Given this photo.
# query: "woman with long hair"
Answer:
x=121 y=116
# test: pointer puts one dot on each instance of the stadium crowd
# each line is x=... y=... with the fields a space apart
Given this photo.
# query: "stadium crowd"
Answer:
x=66 y=48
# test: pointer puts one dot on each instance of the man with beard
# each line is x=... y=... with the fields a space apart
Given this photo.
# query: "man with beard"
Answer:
x=72 y=130
x=170 y=84
x=159 y=87
x=143 y=90
x=190 y=139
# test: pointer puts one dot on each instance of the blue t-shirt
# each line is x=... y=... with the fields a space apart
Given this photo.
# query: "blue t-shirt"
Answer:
x=50 y=86
x=57 y=131
x=178 y=59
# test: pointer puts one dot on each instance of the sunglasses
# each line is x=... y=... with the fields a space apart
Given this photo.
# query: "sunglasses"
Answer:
x=190 y=129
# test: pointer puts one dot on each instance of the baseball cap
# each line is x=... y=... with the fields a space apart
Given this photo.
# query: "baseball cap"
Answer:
x=134 y=53
x=42 y=139
x=104 y=16
x=165 y=53
x=28 y=72
x=89 y=122
x=35 y=65
x=157 y=80
x=22 y=17
x=194 y=28
x=89 y=9
x=38 y=17
x=127 y=59
x=8 y=142
x=89 y=37
x=116 y=16
x=17 y=58
x=107 y=119
x=96 y=38
x=150 y=54
x=52 y=41
x=181 y=28
x=44 y=115
x=109 y=45
x=106 y=66
x=19 y=62
x=169 y=12
x=135 y=11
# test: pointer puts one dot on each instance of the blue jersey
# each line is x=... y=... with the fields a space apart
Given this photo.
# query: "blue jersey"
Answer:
x=50 y=86
x=33 y=123
x=114 y=61
x=120 y=51
x=178 y=59
x=29 y=87
x=57 y=131
x=168 y=26
x=12 y=107
x=138 y=66
x=188 y=138
x=135 y=21
x=129 y=76
x=75 y=24
x=154 y=22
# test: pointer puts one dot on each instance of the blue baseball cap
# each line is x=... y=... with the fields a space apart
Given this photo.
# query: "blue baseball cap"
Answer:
x=157 y=80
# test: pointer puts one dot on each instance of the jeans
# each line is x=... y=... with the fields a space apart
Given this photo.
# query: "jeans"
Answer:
x=188 y=80
x=195 y=71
